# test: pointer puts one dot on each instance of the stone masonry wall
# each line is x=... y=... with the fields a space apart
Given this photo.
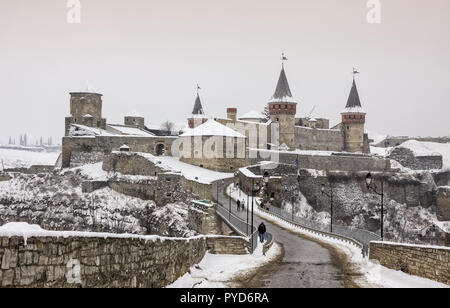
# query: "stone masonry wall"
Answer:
x=427 y=262
x=333 y=162
x=204 y=219
x=96 y=262
x=104 y=262
x=130 y=164
x=108 y=144
x=318 y=139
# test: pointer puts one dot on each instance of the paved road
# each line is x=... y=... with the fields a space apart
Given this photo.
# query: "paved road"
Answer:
x=305 y=264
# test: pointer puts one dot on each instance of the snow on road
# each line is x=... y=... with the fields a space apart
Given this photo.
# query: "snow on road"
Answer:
x=25 y=159
x=219 y=271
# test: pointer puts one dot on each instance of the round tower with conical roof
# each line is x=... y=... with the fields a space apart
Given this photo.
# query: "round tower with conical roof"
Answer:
x=282 y=110
x=198 y=115
x=353 y=122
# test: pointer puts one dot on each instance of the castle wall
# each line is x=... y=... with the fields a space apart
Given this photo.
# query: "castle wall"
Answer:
x=286 y=129
x=76 y=150
x=223 y=160
x=332 y=162
x=318 y=139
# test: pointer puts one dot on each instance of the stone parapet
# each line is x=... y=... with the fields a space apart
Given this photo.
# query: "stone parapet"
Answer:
x=432 y=262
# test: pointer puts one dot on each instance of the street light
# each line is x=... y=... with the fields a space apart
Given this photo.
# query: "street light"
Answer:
x=330 y=195
x=255 y=188
x=373 y=187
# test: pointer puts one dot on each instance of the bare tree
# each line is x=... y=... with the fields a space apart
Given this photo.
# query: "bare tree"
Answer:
x=266 y=114
x=168 y=126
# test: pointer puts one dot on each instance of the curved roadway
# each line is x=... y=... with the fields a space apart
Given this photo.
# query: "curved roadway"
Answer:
x=305 y=263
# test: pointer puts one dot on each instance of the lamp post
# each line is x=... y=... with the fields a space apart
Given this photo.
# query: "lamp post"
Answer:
x=255 y=188
x=299 y=181
x=266 y=179
x=330 y=195
x=229 y=206
x=373 y=187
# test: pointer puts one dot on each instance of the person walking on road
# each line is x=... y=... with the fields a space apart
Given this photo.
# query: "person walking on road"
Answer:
x=238 y=203
x=262 y=232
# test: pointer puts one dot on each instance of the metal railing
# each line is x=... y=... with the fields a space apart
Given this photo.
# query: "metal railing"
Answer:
x=363 y=237
x=240 y=226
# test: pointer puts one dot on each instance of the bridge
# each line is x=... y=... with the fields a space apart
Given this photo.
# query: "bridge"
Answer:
x=306 y=263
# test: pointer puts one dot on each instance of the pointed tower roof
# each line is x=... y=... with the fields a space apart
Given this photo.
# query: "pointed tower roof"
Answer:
x=198 y=108
x=282 y=92
x=353 y=102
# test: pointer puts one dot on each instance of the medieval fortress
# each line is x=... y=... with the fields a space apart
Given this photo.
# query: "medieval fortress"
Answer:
x=221 y=144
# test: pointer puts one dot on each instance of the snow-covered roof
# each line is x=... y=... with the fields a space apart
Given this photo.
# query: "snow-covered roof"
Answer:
x=87 y=88
x=312 y=120
x=124 y=147
x=253 y=115
x=282 y=92
x=212 y=128
x=88 y=116
x=353 y=110
x=353 y=99
x=132 y=131
x=78 y=130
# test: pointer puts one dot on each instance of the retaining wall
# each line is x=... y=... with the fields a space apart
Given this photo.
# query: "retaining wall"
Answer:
x=427 y=262
x=97 y=262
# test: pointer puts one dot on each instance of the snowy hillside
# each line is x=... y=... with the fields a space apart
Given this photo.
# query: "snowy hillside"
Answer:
x=420 y=148
x=24 y=159
x=55 y=201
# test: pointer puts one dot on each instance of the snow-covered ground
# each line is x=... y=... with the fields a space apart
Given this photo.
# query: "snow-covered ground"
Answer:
x=23 y=159
x=374 y=275
x=420 y=148
x=219 y=271
x=192 y=172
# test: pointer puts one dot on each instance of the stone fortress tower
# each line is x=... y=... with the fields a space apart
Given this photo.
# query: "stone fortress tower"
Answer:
x=353 y=121
x=85 y=109
x=282 y=110
x=135 y=119
x=198 y=115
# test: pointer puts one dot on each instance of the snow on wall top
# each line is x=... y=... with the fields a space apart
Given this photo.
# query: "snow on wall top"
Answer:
x=134 y=114
x=22 y=229
x=212 y=128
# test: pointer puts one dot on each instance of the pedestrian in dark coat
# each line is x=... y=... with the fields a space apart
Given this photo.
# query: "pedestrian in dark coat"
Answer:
x=238 y=205
x=262 y=232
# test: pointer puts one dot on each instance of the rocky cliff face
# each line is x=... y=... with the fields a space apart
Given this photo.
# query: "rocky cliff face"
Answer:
x=410 y=202
x=55 y=201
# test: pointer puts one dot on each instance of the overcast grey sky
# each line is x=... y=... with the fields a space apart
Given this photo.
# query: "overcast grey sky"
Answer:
x=148 y=55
